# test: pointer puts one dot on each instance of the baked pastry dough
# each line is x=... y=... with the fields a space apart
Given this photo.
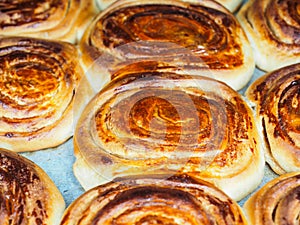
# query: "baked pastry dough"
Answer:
x=277 y=202
x=273 y=29
x=178 y=200
x=198 y=37
x=277 y=100
x=54 y=19
x=39 y=85
x=159 y=122
x=27 y=194
x=232 y=5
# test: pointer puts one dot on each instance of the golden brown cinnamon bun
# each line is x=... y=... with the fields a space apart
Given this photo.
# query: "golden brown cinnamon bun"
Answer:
x=27 y=194
x=159 y=122
x=277 y=202
x=194 y=36
x=178 y=200
x=276 y=96
x=39 y=80
x=55 y=19
x=273 y=29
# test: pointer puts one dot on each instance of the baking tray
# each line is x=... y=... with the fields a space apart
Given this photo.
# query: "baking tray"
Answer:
x=58 y=164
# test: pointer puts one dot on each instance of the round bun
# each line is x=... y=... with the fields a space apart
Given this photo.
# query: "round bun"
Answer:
x=39 y=82
x=28 y=195
x=277 y=101
x=273 y=31
x=178 y=200
x=61 y=20
x=277 y=202
x=159 y=122
x=200 y=37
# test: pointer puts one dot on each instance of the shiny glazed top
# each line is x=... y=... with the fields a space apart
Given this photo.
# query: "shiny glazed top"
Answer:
x=197 y=34
x=22 y=193
x=178 y=200
x=34 y=14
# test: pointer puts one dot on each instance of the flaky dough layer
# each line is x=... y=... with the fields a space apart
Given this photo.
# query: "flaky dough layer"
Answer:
x=42 y=92
x=52 y=19
x=275 y=97
x=200 y=37
x=273 y=31
x=156 y=123
x=28 y=195
x=177 y=200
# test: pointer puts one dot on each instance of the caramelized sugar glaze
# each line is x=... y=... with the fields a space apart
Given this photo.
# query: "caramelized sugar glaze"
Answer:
x=162 y=114
x=30 y=12
x=176 y=200
x=277 y=202
x=162 y=122
x=276 y=98
x=54 y=19
x=27 y=194
x=195 y=37
x=38 y=82
x=17 y=182
x=175 y=24
x=273 y=28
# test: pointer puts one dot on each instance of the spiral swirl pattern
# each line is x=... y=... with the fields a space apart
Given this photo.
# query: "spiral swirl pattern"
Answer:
x=177 y=200
x=277 y=202
x=27 y=194
x=192 y=36
x=273 y=28
x=38 y=82
x=158 y=122
x=277 y=97
x=55 y=19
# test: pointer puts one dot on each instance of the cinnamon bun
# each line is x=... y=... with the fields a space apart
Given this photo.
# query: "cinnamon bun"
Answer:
x=277 y=202
x=39 y=85
x=54 y=19
x=27 y=194
x=273 y=29
x=159 y=122
x=178 y=200
x=276 y=98
x=195 y=36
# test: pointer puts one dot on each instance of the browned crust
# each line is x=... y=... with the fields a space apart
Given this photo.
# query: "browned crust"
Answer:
x=28 y=195
x=276 y=202
x=52 y=19
x=276 y=99
x=149 y=200
x=273 y=31
x=198 y=38
x=146 y=122
x=39 y=84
